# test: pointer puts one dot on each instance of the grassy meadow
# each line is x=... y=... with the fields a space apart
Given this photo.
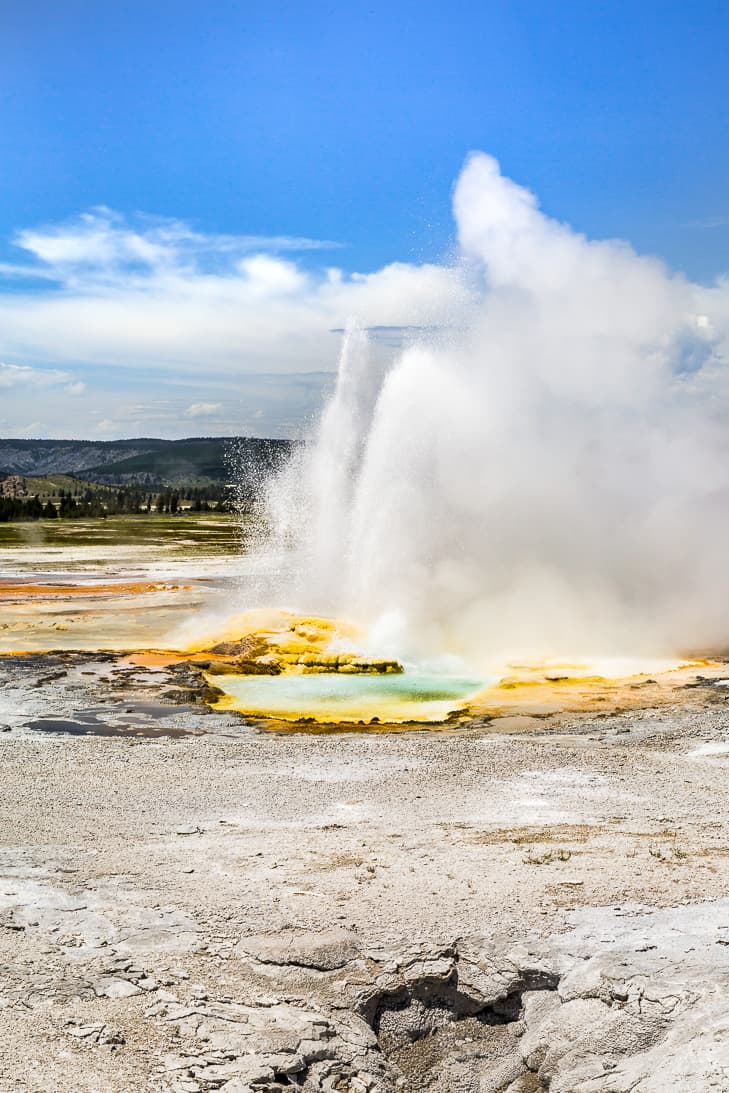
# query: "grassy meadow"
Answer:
x=207 y=532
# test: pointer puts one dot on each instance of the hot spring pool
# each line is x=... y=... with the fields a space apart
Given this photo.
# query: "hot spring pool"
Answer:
x=409 y=696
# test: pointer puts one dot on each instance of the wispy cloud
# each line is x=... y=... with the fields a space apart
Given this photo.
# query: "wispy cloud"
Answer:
x=709 y=222
x=102 y=244
x=204 y=409
x=158 y=295
x=22 y=375
x=397 y=336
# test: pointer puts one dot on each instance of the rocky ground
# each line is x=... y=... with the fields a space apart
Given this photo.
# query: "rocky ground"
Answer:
x=189 y=902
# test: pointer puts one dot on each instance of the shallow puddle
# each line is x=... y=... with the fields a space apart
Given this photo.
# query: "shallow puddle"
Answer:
x=88 y=723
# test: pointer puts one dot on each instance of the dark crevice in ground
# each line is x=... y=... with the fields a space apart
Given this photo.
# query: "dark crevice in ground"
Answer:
x=428 y=1025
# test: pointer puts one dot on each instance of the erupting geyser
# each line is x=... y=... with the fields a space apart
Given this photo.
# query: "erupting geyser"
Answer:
x=554 y=479
x=549 y=477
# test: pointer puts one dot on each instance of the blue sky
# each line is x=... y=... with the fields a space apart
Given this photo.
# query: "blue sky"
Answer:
x=317 y=136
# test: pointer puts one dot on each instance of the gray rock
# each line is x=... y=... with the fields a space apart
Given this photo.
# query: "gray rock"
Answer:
x=113 y=987
x=325 y=951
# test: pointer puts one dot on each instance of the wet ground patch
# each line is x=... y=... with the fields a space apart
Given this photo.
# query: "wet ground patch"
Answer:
x=141 y=721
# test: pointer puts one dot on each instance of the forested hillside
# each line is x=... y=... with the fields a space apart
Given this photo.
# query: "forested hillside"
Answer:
x=147 y=461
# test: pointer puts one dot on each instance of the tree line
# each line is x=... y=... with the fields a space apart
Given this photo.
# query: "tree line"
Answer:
x=16 y=508
x=88 y=503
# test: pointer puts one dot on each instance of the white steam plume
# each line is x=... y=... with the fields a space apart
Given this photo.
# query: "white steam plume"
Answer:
x=553 y=481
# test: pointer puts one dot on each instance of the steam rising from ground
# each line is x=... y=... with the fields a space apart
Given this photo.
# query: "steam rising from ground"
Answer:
x=554 y=479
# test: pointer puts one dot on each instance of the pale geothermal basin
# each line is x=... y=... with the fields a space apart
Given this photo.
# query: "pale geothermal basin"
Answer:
x=149 y=595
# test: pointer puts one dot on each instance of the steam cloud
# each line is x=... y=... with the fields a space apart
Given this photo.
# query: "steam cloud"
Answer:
x=552 y=480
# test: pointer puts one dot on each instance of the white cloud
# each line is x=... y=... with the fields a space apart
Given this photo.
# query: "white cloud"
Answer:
x=203 y=409
x=31 y=431
x=102 y=241
x=158 y=295
x=77 y=388
x=22 y=375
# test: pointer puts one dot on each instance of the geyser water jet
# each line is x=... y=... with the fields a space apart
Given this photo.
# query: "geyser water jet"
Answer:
x=551 y=481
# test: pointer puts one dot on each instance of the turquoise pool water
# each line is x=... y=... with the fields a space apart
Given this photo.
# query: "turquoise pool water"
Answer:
x=410 y=696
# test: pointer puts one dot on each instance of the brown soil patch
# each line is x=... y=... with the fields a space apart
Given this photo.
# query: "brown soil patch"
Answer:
x=17 y=591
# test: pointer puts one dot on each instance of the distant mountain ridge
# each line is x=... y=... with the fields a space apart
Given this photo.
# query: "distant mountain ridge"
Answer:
x=145 y=461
